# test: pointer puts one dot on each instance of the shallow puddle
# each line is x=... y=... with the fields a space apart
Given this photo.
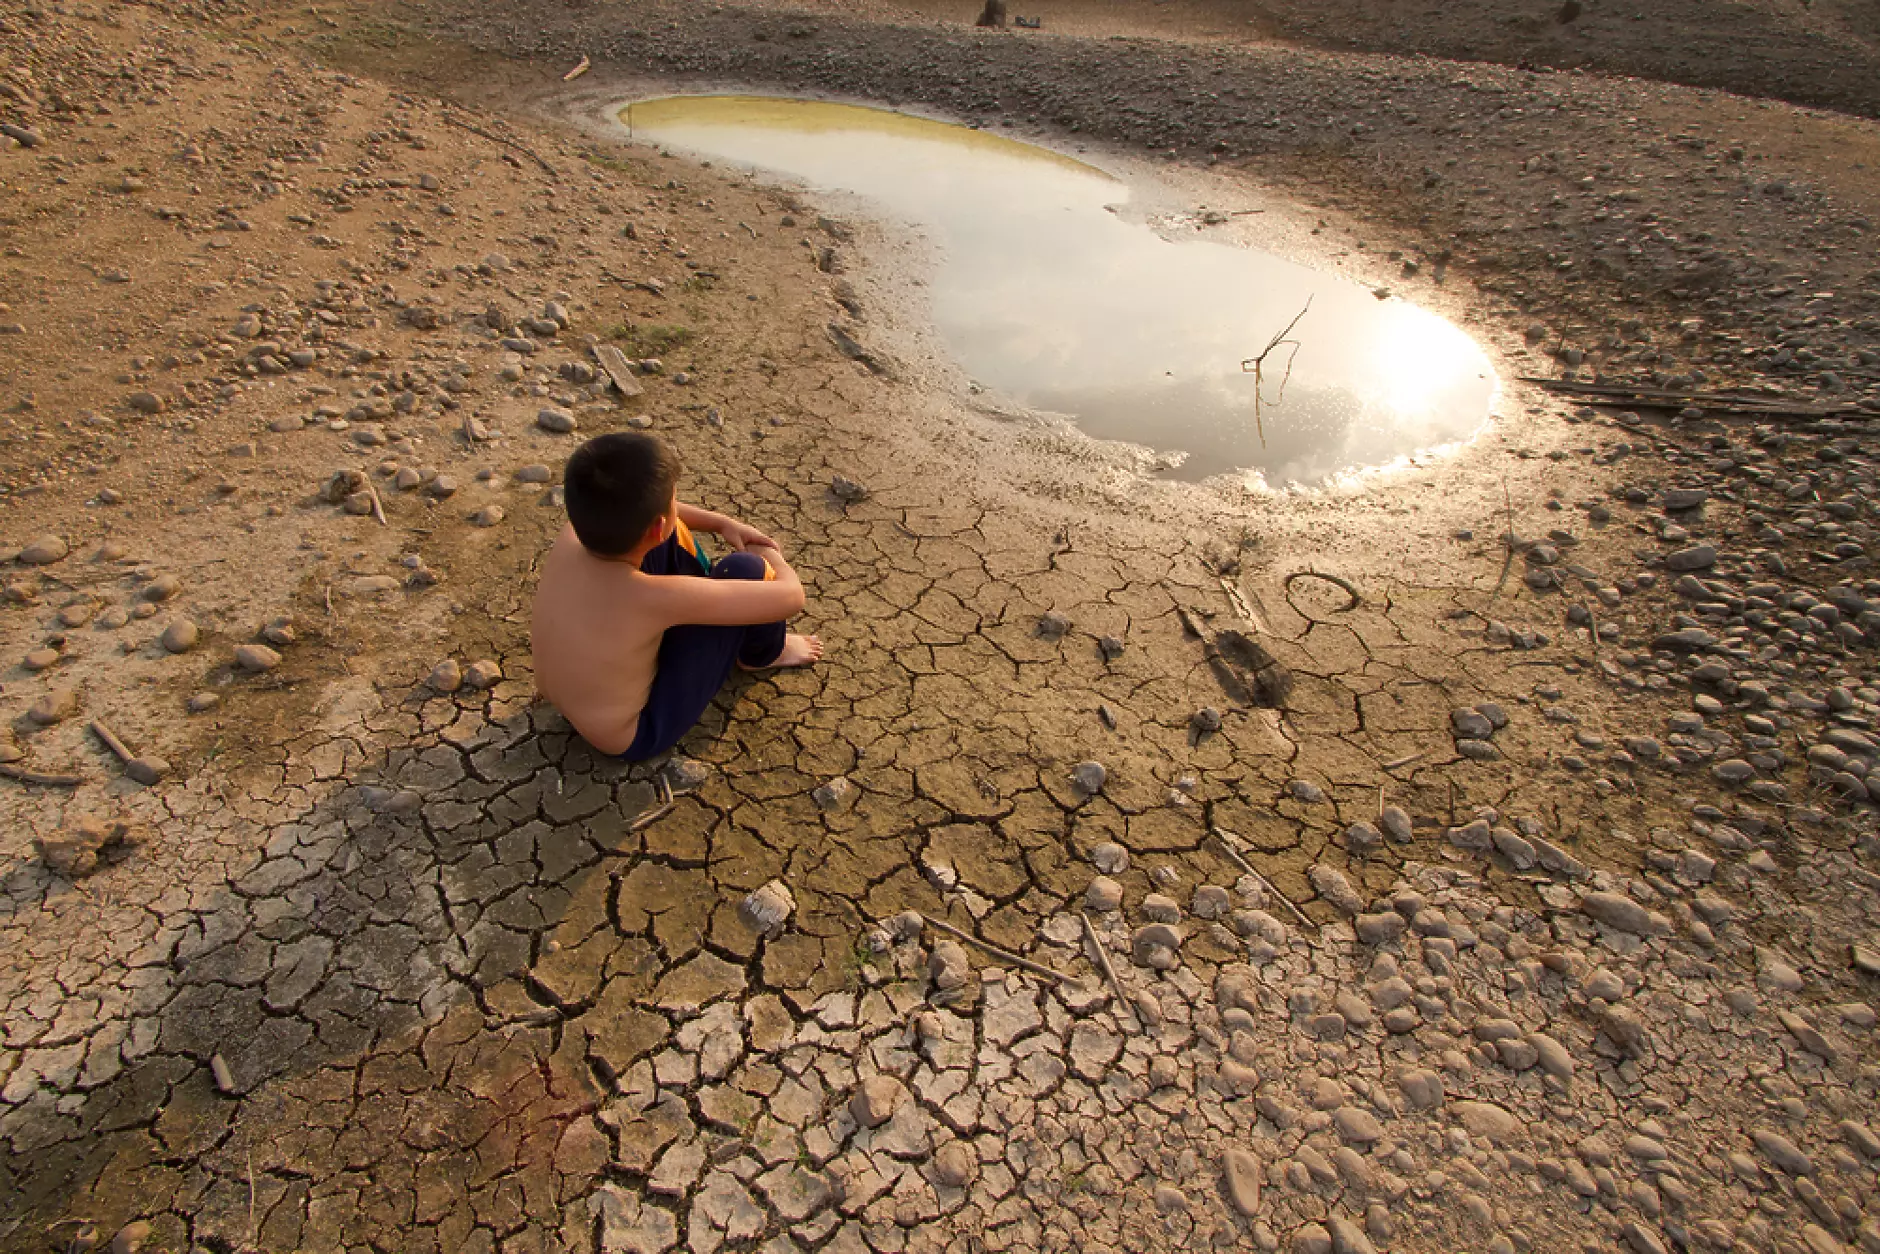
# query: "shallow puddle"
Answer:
x=1048 y=297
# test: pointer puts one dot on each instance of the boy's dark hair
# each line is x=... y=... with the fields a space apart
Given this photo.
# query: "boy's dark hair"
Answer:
x=616 y=485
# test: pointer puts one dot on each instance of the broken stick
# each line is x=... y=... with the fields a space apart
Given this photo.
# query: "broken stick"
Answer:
x=1227 y=842
x=1036 y=968
x=1102 y=959
x=651 y=817
x=577 y=71
x=26 y=776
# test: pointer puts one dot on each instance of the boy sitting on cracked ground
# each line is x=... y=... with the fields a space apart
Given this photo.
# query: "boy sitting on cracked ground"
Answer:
x=635 y=631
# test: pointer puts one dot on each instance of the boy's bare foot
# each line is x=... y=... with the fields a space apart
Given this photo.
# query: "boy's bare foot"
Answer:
x=797 y=651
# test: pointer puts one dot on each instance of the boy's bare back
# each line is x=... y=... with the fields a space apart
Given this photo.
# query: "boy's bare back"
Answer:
x=596 y=641
x=598 y=624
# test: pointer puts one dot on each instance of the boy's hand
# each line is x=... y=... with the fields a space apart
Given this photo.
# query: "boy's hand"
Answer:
x=741 y=536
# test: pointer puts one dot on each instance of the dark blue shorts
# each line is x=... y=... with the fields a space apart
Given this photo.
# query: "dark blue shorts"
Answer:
x=694 y=660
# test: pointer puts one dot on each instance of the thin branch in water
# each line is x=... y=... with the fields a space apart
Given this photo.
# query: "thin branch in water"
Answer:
x=1257 y=364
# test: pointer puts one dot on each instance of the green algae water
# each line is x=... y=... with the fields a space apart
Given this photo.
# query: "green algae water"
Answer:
x=1048 y=297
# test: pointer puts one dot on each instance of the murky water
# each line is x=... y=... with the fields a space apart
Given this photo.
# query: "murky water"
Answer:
x=1048 y=297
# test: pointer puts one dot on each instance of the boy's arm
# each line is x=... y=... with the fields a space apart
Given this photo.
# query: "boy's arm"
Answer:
x=735 y=602
x=738 y=535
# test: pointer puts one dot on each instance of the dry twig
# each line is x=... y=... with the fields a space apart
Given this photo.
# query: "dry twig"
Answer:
x=1507 y=539
x=26 y=776
x=651 y=817
x=1036 y=968
x=1101 y=956
x=493 y=137
x=1228 y=842
x=1256 y=364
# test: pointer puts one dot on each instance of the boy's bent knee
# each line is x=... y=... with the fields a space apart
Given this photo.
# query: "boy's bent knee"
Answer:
x=739 y=566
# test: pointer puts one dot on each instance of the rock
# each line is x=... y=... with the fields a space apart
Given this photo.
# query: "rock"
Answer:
x=1624 y=914
x=1641 y=1239
x=1783 y=1152
x=955 y=1165
x=835 y=795
x=1470 y=725
x=483 y=675
x=1210 y=901
x=1684 y=640
x=1488 y=1121
x=535 y=472
x=1160 y=908
x=180 y=636
x=1089 y=777
x=1348 y=1237
x=445 y=677
x=1357 y=1125
x=77 y=849
x=1604 y=984
x=1241 y=1172
x=1155 y=945
x=556 y=420
x=1860 y=1136
x=1109 y=857
x=488 y=516
x=1422 y=1089
x=1205 y=721
x=766 y=910
x=1396 y=824
x=256 y=658
x=44 y=551
x=145 y=402
x=202 y=702
x=1170 y=1200
x=1110 y=647
x=1103 y=895
x=1052 y=625
x=54 y=707
x=1697 y=557
x=1379 y=929
x=1312 y=1239
x=685 y=774
x=947 y=966
x=130 y=1238
x=1331 y=884
x=1685 y=498
x=40 y=659
x=1477 y=836
x=876 y=1100
x=847 y=490
x=1624 y=1028
x=1552 y=1055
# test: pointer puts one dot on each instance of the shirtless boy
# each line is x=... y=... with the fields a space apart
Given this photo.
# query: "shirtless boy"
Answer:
x=635 y=631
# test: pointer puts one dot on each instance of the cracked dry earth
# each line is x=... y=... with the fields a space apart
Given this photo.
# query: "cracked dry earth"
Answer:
x=1478 y=940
